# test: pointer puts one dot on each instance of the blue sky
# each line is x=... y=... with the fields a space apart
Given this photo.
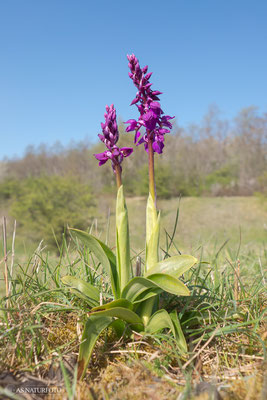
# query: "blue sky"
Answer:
x=62 y=61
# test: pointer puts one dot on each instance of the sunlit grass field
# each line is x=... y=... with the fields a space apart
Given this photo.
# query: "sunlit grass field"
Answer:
x=202 y=221
x=206 y=222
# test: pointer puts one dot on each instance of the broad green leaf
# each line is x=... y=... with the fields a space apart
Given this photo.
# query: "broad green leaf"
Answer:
x=152 y=233
x=170 y=284
x=152 y=248
x=93 y=328
x=122 y=313
x=158 y=321
x=151 y=217
x=104 y=256
x=122 y=239
x=119 y=327
x=161 y=320
x=136 y=287
x=175 y=266
x=179 y=333
x=116 y=303
x=147 y=294
x=82 y=289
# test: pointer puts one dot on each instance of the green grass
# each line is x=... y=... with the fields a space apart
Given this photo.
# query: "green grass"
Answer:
x=224 y=319
x=202 y=221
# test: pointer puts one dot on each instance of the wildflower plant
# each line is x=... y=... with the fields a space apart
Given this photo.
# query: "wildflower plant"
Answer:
x=135 y=298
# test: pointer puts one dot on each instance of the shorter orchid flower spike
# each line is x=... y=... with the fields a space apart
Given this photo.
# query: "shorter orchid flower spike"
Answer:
x=110 y=137
x=115 y=154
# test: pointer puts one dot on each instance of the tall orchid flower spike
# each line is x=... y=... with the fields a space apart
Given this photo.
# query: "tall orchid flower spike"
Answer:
x=110 y=137
x=133 y=305
x=151 y=115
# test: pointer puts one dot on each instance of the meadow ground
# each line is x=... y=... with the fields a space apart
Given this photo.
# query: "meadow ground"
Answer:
x=224 y=320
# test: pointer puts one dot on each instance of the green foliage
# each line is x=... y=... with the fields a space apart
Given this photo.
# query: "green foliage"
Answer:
x=224 y=178
x=235 y=321
x=202 y=159
x=104 y=255
x=122 y=240
x=48 y=203
x=176 y=265
x=8 y=188
x=164 y=181
x=152 y=233
x=82 y=289
x=134 y=299
x=262 y=194
x=92 y=330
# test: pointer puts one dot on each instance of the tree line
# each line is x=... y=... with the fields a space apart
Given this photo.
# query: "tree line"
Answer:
x=52 y=185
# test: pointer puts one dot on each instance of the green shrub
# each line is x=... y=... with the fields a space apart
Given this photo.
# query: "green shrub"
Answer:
x=221 y=181
x=41 y=205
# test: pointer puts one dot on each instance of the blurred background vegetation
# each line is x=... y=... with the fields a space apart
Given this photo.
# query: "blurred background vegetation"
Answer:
x=48 y=188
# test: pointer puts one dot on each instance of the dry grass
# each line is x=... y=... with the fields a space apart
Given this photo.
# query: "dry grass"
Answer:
x=224 y=320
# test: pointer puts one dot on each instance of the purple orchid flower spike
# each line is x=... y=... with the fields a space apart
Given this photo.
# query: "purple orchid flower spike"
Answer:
x=151 y=114
x=110 y=137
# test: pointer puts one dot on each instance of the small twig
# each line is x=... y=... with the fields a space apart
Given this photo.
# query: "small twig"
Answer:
x=36 y=261
x=130 y=351
x=36 y=362
x=138 y=266
x=202 y=348
x=108 y=224
x=47 y=302
x=12 y=255
x=5 y=259
x=198 y=343
x=14 y=354
x=248 y=356
x=237 y=278
x=262 y=274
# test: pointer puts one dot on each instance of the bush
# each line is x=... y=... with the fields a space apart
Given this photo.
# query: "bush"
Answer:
x=222 y=181
x=41 y=205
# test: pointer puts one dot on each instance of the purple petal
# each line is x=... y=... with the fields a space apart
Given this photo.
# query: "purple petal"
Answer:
x=137 y=135
x=144 y=70
x=146 y=147
x=102 y=162
x=147 y=86
x=132 y=126
x=142 y=140
x=148 y=75
x=167 y=117
x=155 y=106
x=101 y=156
x=134 y=101
x=150 y=120
x=154 y=97
x=158 y=147
x=156 y=92
x=163 y=130
x=101 y=137
x=126 y=151
x=140 y=108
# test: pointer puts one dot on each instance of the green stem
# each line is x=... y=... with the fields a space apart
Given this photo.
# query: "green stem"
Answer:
x=152 y=185
x=118 y=175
